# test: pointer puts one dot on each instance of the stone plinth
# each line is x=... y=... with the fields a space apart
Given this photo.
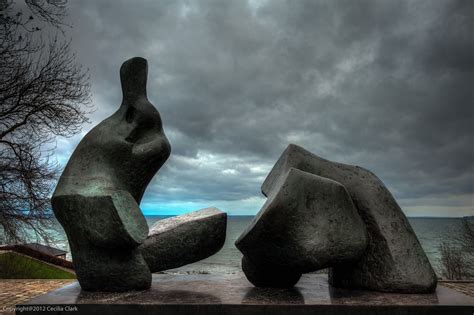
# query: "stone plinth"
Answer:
x=233 y=294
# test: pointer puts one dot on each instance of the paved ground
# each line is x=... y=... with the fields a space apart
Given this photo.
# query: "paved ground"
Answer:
x=16 y=291
x=13 y=292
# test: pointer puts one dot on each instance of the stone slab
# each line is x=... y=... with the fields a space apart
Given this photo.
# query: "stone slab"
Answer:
x=308 y=223
x=184 y=239
x=233 y=294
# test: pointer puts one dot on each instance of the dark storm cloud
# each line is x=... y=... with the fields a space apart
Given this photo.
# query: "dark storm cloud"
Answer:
x=383 y=84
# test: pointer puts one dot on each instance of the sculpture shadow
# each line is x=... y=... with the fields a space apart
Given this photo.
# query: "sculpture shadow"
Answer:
x=147 y=296
x=258 y=295
x=367 y=297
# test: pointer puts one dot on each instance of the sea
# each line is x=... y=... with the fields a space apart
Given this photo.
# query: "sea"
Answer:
x=431 y=232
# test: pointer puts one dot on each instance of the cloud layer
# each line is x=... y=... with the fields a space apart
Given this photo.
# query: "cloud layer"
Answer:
x=385 y=84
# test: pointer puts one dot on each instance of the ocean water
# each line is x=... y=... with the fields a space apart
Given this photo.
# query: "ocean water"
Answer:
x=431 y=232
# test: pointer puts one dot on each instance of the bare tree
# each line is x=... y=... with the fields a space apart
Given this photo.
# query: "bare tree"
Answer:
x=457 y=259
x=42 y=95
x=453 y=264
x=466 y=237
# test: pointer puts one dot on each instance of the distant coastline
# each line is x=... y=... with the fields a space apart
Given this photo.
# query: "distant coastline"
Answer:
x=252 y=215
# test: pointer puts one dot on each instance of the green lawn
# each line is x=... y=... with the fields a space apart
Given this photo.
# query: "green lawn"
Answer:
x=17 y=266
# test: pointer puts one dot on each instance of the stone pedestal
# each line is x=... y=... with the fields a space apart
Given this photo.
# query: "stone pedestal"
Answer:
x=233 y=294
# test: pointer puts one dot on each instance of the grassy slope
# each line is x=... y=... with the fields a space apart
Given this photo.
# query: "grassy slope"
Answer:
x=17 y=266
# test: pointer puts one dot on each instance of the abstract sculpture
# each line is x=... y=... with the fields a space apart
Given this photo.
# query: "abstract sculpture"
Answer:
x=325 y=214
x=98 y=195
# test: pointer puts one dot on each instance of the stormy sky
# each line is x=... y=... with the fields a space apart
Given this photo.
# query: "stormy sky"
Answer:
x=387 y=85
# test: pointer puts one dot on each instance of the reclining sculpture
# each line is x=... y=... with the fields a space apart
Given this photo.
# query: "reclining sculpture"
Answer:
x=324 y=214
x=319 y=214
x=98 y=195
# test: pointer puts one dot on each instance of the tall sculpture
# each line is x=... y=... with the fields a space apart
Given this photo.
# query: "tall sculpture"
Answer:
x=98 y=195
x=325 y=214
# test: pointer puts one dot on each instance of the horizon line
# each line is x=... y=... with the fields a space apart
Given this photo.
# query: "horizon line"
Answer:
x=252 y=215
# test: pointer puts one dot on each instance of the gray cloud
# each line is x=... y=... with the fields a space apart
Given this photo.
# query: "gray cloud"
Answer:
x=383 y=84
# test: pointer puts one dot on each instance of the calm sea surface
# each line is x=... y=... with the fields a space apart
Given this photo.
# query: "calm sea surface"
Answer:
x=430 y=231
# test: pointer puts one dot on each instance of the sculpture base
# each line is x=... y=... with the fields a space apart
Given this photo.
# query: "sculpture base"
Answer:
x=233 y=294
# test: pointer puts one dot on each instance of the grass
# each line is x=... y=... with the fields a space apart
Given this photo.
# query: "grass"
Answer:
x=17 y=266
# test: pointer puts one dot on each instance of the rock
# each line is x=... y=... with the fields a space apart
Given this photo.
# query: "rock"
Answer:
x=308 y=223
x=184 y=239
x=394 y=260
